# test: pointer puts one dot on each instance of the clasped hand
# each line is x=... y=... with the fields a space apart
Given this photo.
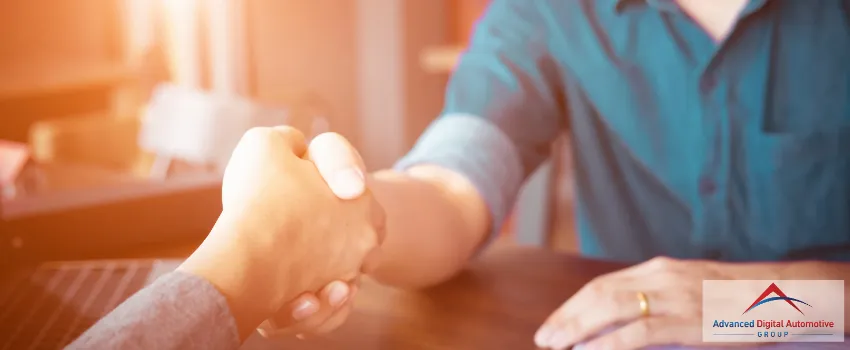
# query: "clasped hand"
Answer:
x=285 y=236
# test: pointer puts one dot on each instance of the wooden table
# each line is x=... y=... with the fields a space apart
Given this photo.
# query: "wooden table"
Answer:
x=497 y=303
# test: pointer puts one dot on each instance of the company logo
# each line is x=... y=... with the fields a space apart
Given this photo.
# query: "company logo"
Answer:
x=790 y=319
x=772 y=288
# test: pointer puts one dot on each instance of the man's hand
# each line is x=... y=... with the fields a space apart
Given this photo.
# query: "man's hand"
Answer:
x=606 y=313
x=282 y=231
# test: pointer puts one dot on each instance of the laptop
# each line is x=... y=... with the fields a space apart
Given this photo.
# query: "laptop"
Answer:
x=61 y=233
x=60 y=266
x=48 y=305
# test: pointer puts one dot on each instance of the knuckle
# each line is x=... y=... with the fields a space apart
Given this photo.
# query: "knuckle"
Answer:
x=597 y=286
x=365 y=240
x=574 y=326
x=369 y=242
x=257 y=133
x=625 y=298
x=660 y=261
x=583 y=325
x=663 y=263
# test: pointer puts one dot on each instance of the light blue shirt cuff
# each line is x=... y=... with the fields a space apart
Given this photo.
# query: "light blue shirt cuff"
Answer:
x=478 y=150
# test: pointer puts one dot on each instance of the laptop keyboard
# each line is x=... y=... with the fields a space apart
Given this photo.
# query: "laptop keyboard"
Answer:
x=48 y=307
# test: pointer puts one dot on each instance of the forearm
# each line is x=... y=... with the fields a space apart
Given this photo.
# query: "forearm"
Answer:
x=238 y=272
x=456 y=188
x=435 y=222
x=178 y=311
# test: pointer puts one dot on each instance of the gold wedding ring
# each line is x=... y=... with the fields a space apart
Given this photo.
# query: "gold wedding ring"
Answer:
x=644 y=304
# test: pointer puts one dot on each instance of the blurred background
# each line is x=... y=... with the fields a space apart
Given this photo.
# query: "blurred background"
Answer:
x=117 y=115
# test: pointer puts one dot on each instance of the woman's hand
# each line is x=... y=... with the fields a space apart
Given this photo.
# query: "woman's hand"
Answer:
x=282 y=231
x=311 y=314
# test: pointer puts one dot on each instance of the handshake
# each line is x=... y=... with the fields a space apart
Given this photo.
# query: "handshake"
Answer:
x=297 y=229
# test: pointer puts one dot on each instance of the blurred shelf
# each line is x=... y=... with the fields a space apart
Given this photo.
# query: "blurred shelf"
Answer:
x=440 y=59
x=39 y=89
x=27 y=79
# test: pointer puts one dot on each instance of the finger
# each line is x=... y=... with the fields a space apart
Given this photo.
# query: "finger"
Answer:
x=339 y=164
x=305 y=307
x=301 y=308
x=330 y=324
x=339 y=317
x=332 y=297
x=624 y=283
x=293 y=139
x=333 y=300
x=310 y=311
x=646 y=332
x=336 y=293
x=599 y=305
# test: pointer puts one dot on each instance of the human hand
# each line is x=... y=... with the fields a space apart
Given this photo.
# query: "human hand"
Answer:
x=673 y=290
x=317 y=313
x=281 y=231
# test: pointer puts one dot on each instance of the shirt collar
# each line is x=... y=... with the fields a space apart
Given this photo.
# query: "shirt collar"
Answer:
x=670 y=5
x=663 y=5
x=753 y=6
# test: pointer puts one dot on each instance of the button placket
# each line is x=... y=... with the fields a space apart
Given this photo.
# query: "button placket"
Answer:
x=710 y=239
x=707 y=186
x=708 y=83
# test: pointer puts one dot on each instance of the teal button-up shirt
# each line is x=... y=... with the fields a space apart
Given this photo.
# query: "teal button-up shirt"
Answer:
x=685 y=147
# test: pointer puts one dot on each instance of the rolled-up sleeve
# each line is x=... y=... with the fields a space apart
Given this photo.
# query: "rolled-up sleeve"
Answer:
x=502 y=109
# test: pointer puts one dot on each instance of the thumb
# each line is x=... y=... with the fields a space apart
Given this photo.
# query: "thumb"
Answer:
x=339 y=164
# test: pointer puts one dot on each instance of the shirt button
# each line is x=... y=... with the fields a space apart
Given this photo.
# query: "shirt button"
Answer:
x=707 y=186
x=708 y=82
x=713 y=255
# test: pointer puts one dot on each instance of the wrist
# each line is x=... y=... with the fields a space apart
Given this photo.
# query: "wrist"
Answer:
x=248 y=283
x=803 y=270
x=813 y=270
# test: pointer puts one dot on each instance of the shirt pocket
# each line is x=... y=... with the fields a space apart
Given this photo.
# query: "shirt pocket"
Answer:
x=799 y=187
x=815 y=107
x=799 y=161
x=809 y=88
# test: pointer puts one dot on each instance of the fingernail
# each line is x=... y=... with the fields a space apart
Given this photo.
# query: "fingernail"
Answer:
x=304 y=310
x=348 y=183
x=338 y=294
x=541 y=338
x=580 y=347
x=559 y=340
x=300 y=336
